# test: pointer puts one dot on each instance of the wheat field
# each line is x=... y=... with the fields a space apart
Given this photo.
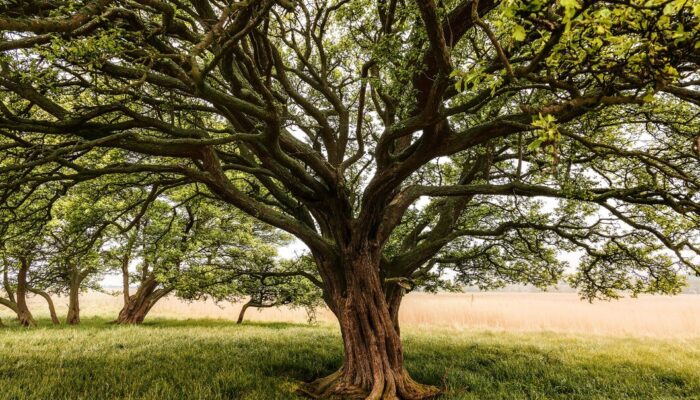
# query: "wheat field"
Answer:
x=646 y=316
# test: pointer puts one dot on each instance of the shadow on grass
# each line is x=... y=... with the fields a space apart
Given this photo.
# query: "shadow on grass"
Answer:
x=104 y=323
x=218 y=323
x=218 y=359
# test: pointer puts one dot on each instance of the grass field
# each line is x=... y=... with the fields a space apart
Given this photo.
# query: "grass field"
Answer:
x=662 y=317
x=215 y=359
x=481 y=346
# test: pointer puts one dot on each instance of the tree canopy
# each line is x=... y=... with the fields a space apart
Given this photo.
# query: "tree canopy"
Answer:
x=396 y=139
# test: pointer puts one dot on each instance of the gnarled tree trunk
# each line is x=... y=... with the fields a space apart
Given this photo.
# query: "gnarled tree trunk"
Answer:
x=73 y=317
x=243 y=310
x=49 y=301
x=76 y=283
x=374 y=365
x=141 y=302
x=23 y=314
x=249 y=304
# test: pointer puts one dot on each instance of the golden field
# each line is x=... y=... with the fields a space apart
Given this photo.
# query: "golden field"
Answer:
x=646 y=316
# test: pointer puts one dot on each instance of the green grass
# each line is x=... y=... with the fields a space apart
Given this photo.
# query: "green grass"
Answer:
x=204 y=359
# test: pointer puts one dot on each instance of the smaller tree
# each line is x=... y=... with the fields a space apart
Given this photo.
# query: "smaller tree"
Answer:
x=17 y=257
x=157 y=244
x=24 y=215
x=8 y=300
x=77 y=234
x=49 y=302
x=285 y=283
x=30 y=261
x=152 y=243
x=178 y=244
x=264 y=282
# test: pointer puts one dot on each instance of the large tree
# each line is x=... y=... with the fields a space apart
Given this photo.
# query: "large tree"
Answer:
x=332 y=120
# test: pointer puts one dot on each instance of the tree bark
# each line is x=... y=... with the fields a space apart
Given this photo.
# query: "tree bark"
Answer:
x=141 y=302
x=394 y=295
x=23 y=314
x=374 y=365
x=242 y=313
x=6 y=285
x=73 y=317
x=10 y=301
x=49 y=301
x=125 y=280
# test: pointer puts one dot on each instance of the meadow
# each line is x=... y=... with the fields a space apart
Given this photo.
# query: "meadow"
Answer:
x=647 y=316
x=485 y=346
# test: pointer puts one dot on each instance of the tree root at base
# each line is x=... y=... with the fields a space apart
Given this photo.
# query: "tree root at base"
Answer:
x=337 y=386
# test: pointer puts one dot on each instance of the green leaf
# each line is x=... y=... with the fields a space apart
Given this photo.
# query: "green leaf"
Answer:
x=570 y=7
x=649 y=97
x=519 y=33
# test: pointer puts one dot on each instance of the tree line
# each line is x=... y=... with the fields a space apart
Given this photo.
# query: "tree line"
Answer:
x=161 y=240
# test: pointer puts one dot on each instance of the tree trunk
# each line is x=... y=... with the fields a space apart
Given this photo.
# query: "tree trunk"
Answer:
x=23 y=314
x=141 y=302
x=52 y=308
x=253 y=304
x=73 y=317
x=242 y=313
x=394 y=295
x=374 y=366
x=6 y=285
x=10 y=301
x=125 y=280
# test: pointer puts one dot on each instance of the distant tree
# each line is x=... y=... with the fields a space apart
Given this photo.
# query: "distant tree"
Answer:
x=282 y=283
x=76 y=235
x=8 y=298
x=82 y=225
x=177 y=242
x=158 y=245
x=21 y=264
x=49 y=302
x=17 y=255
x=131 y=245
x=262 y=281
x=120 y=250
x=23 y=219
x=331 y=120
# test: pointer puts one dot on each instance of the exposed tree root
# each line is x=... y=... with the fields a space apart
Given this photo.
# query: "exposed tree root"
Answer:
x=340 y=386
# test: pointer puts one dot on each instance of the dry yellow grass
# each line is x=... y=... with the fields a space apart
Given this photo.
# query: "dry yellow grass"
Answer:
x=653 y=316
